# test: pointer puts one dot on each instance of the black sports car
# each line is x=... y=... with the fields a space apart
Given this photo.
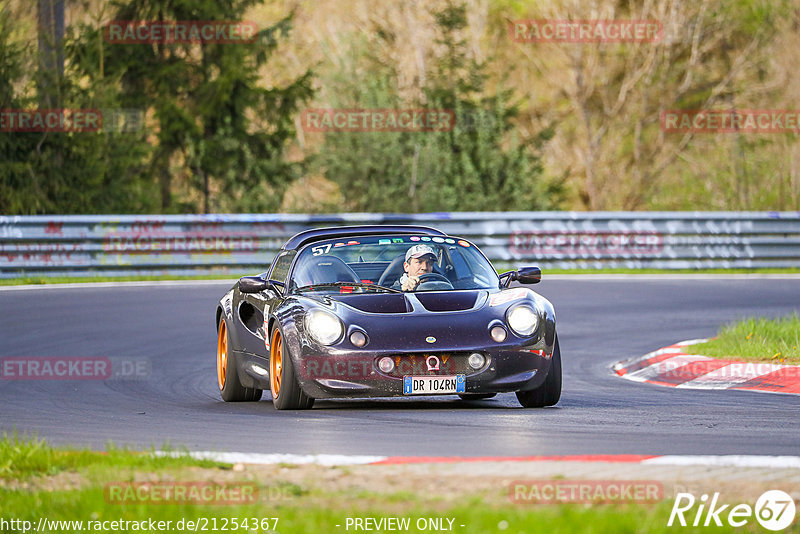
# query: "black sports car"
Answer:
x=382 y=311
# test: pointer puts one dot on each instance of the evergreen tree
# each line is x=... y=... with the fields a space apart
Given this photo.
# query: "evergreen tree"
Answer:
x=212 y=117
x=210 y=131
x=63 y=172
x=478 y=165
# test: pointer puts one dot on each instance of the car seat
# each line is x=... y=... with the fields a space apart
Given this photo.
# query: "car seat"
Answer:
x=325 y=269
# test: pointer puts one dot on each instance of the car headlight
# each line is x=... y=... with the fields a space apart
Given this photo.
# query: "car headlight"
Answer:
x=324 y=326
x=523 y=319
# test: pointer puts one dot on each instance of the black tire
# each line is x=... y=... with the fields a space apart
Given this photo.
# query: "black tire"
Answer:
x=476 y=396
x=286 y=392
x=230 y=388
x=549 y=392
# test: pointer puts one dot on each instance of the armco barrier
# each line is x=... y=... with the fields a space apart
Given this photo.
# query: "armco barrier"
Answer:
x=113 y=245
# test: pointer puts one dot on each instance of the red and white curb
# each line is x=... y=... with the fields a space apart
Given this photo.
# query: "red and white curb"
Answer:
x=771 y=462
x=673 y=366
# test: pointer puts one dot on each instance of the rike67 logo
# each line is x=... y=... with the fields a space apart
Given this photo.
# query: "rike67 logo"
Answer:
x=774 y=510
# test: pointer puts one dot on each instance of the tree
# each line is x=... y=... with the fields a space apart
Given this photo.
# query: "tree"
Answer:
x=50 y=22
x=610 y=142
x=481 y=164
x=64 y=172
x=214 y=122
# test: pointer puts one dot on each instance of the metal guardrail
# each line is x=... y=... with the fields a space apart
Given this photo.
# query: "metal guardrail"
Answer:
x=114 y=245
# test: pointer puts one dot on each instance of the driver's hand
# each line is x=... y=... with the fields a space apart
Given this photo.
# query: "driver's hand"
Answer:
x=410 y=283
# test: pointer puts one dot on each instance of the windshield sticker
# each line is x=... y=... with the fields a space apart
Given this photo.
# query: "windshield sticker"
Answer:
x=414 y=238
x=338 y=245
x=353 y=243
x=463 y=243
x=450 y=241
x=438 y=240
x=508 y=295
x=397 y=240
x=425 y=238
x=384 y=241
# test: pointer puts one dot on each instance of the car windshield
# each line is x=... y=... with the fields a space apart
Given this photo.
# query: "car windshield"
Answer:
x=376 y=263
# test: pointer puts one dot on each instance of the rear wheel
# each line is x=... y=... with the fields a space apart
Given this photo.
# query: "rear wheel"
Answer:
x=550 y=391
x=286 y=392
x=230 y=388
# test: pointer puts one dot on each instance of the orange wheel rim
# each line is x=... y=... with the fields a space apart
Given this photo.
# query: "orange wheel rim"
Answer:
x=276 y=364
x=222 y=355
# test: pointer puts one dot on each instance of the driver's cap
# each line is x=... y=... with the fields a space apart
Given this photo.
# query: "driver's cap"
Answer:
x=417 y=251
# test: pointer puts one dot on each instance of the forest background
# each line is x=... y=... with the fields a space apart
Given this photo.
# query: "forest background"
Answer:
x=552 y=126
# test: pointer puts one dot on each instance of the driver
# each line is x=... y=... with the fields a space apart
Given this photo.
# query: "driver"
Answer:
x=419 y=261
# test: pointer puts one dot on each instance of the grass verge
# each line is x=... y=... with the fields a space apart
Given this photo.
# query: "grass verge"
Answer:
x=231 y=277
x=94 y=279
x=90 y=508
x=68 y=491
x=671 y=271
x=22 y=458
x=756 y=339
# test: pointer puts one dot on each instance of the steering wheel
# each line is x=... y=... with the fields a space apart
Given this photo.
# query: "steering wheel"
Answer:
x=433 y=277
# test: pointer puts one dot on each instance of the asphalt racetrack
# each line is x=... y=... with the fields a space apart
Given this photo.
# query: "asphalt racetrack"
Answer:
x=600 y=321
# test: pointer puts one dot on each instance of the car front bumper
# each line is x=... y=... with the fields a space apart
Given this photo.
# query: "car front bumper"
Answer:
x=353 y=375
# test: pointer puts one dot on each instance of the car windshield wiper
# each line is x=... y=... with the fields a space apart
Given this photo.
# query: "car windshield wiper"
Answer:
x=347 y=284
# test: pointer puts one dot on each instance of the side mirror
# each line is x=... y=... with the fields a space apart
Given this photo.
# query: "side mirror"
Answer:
x=252 y=284
x=528 y=275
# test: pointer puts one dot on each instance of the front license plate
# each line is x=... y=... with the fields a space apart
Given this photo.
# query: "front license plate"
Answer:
x=433 y=385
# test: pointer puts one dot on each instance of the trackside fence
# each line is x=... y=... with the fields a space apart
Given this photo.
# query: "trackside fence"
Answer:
x=115 y=245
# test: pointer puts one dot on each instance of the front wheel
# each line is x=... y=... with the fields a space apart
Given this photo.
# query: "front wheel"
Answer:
x=230 y=389
x=286 y=392
x=550 y=391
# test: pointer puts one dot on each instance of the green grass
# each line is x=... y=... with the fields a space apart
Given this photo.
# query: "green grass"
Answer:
x=792 y=270
x=297 y=517
x=756 y=339
x=23 y=457
x=32 y=486
x=92 y=279
x=231 y=277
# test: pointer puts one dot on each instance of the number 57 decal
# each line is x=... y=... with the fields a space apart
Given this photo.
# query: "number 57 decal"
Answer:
x=322 y=249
